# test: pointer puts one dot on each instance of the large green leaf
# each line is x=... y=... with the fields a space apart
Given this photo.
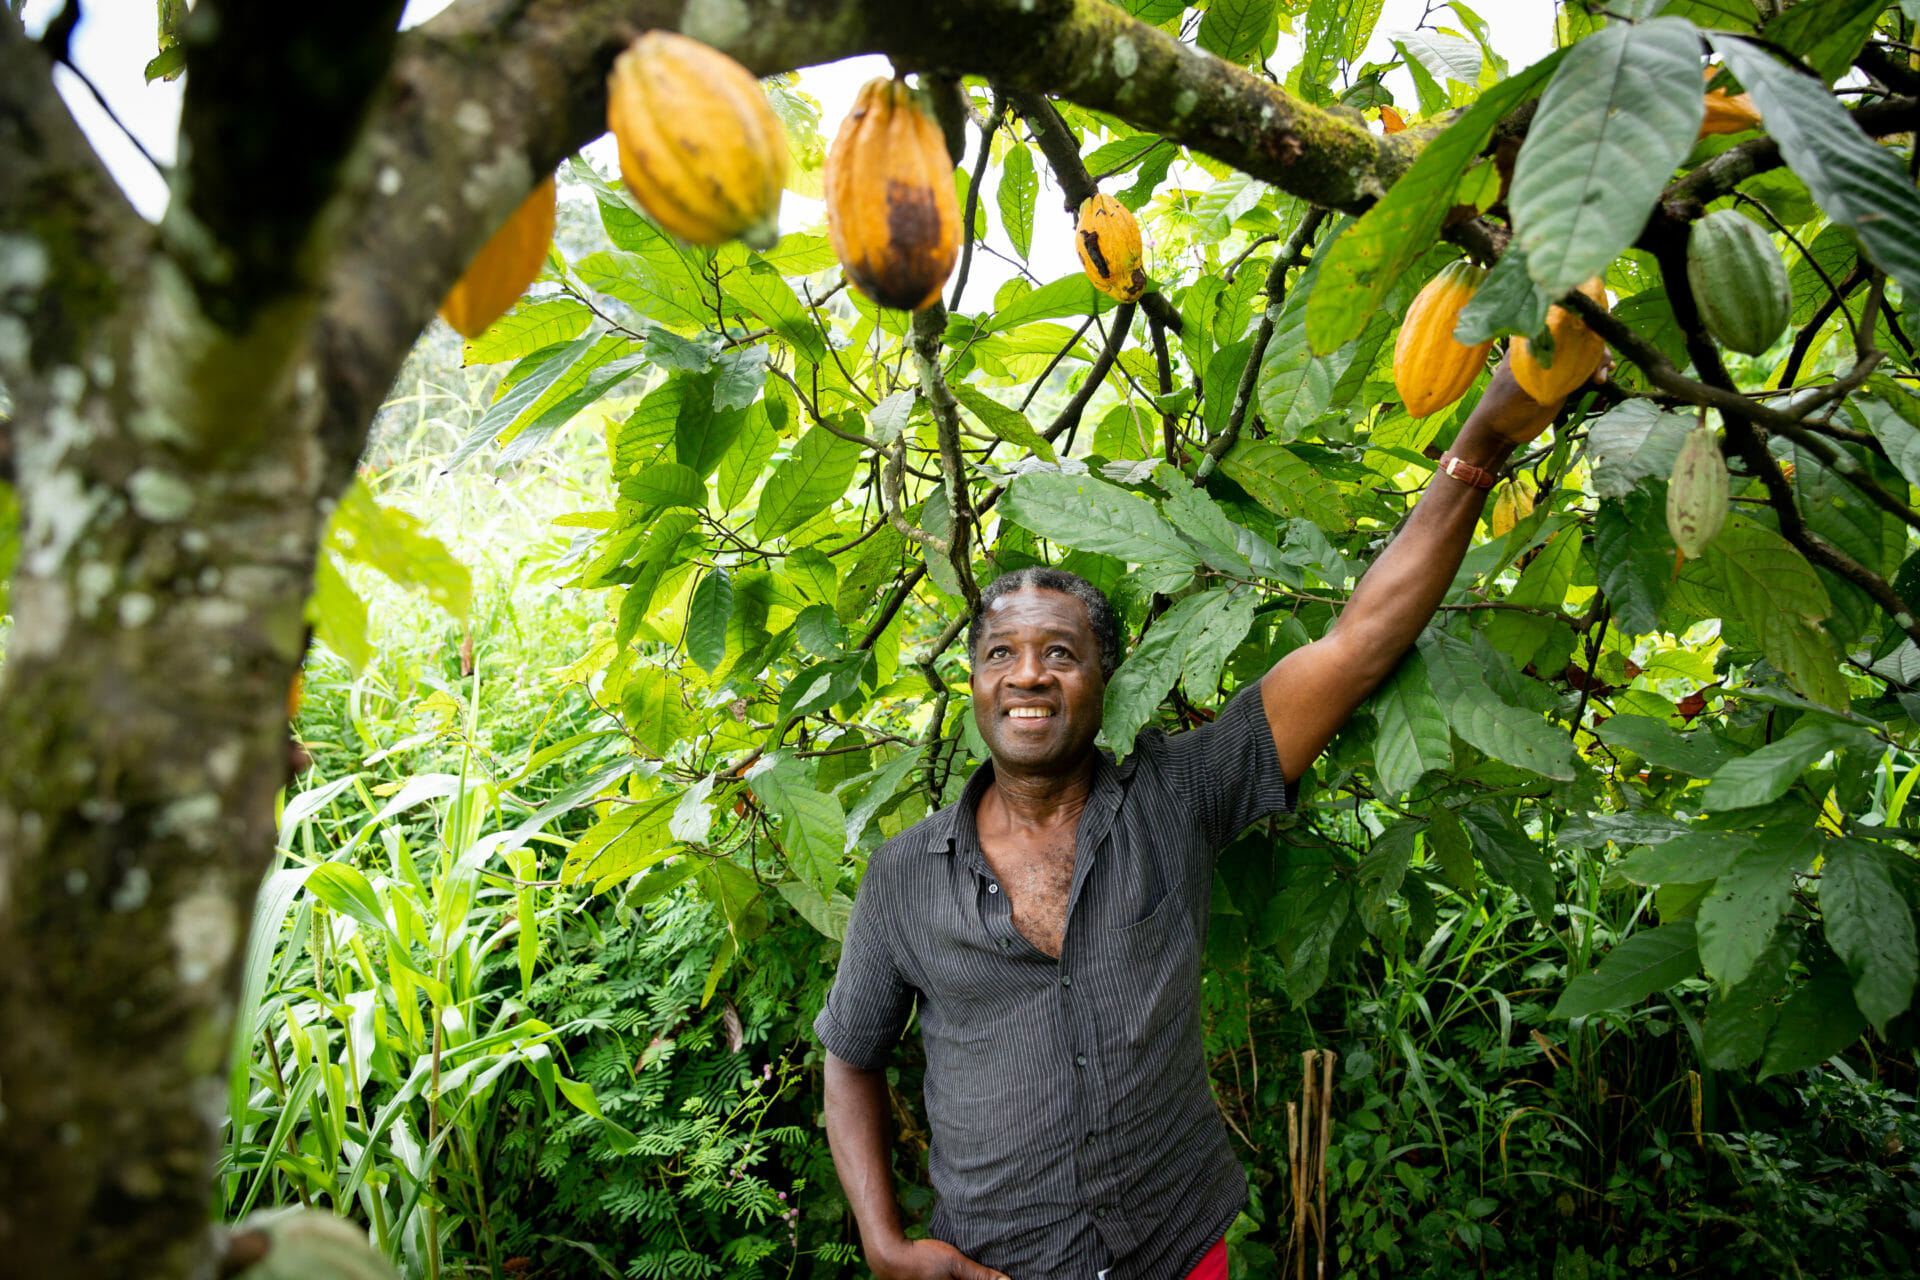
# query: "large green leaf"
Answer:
x=1859 y=183
x=1505 y=732
x=531 y=325
x=812 y=826
x=745 y=456
x=1739 y=1020
x=1817 y=1021
x=1543 y=585
x=1285 y=483
x=1235 y=29
x=1018 y=187
x=1072 y=295
x=1511 y=855
x=1212 y=638
x=707 y=618
x=1412 y=733
x=651 y=707
x=1634 y=554
x=1081 y=511
x=1507 y=301
x=1004 y=421
x=1633 y=442
x=1773 y=591
x=1893 y=415
x=811 y=479
x=536 y=406
x=1739 y=916
x=1870 y=927
x=1658 y=743
x=1764 y=776
x=1649 y=961
x=666 y=484
x=1621 y=113
x=399 y=546
x=1370 y=258
x=1692 y=859
x=1295 y=385
x=760 y=291
x=1143 y=679
x=1826 y=33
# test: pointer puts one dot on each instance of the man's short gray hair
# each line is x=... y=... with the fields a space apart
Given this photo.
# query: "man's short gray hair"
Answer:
x=1100 y=614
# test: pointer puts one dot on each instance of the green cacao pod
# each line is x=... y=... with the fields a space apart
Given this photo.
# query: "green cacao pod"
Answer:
x=1697 y=492
x=1739 y=282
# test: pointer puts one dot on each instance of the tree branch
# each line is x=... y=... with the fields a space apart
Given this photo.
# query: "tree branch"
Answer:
x=1688 y=198
x=1291 y=253
x=929 y=324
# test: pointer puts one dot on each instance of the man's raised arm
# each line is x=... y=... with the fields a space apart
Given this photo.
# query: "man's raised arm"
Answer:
x=1312 y=691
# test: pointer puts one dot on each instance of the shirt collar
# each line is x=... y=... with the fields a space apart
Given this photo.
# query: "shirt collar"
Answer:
x=945 y=828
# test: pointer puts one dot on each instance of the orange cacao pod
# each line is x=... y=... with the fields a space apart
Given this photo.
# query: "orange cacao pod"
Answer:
x=1512 y=503
x=1431 y=369
x=891 y=211
x=1576 y=352
x=700 y=149
x=504 y=267
x=1109 y=243
x=1727 y=112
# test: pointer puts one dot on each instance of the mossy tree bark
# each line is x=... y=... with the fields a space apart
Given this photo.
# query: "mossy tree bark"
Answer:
x=190 y=399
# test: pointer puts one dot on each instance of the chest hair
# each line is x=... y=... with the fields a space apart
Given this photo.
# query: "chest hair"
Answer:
x=1037 y=878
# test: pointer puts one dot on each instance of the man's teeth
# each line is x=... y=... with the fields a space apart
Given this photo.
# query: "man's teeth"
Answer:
x=1029 y=713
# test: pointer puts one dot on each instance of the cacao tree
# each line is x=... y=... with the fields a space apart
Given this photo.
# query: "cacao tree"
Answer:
x=809 y=487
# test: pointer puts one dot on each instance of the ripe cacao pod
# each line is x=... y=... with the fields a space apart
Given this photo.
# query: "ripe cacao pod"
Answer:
x=700 y=149
x=1109 y=243
x=1512 y=503
x=1739 y=281
x=1430 y=369
x=1727 y=112
x=892 y=215
x=1697 y=492
x=1577 y=351
x=504 y=267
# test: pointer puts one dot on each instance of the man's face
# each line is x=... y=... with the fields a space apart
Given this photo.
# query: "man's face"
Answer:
x=1037 y=687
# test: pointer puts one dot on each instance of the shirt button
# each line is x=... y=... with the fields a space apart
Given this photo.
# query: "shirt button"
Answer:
x=1089 y=1139
x=1065 y=981
x=1102 y=1212
x=993 y=888
x=1079 y=1059
x=1005 y=943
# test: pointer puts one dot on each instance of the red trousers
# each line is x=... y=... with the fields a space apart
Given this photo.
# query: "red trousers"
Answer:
x=1213 y=1266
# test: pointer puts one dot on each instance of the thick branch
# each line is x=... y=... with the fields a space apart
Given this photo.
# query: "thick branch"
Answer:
x=1689 y=197
x=929 y=324
x=1116 y=338
x=1291 y=254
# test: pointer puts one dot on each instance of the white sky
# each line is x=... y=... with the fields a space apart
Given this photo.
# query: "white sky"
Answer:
x=116 y=38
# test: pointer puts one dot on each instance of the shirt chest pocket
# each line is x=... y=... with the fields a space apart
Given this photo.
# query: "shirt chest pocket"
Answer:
x=1153 y=970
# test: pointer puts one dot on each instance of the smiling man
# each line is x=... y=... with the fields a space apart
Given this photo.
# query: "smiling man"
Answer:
x=1048 y=924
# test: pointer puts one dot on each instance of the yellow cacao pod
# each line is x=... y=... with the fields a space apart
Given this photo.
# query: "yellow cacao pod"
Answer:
x=700 y=149
x=504 y=267
x=1109 y=243
x=1577 y=351
x=1697 y=492
x=892 y=215
x=1727 y=112
x=1512 y=503
x=1430 y=369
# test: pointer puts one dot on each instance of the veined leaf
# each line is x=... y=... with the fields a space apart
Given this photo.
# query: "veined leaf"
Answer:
x=1870 y=927
x=812 y=826
x=531 y=325
x=1700 y=858
x=1072 y=295
x=1018 y=187
x=875 y=790
x=1008 y=423
x=1827 y=33
x=1621 y=113
x=666 y=484
x=651 y=707
x=1815 y=1022
x=740 y=465
x=1413 y=734
x=1633 y=442
x=1477 y=714
x=807 y=483
x=1858 y=183
x=1658 y=743
x=1507 y=301
x=1235 y=29
x=1365 y=262
x=1282 y=482
x=761 y=292
x=1080 y=511
x=1739 y=916
x=1649 y=961
x=390 y=540
x=1512 y=857
x=707 y=618
x=1144 y=678
x=1634 y=553
x=1764 y=776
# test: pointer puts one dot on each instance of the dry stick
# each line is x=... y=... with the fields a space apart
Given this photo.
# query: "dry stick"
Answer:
x=1320 y=1160
x=973 y=194
x=1295 y=1181
x=1276 y=290
x=1062 y=151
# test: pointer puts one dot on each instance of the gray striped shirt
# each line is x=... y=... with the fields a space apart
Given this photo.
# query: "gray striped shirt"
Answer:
x=1073 y=1125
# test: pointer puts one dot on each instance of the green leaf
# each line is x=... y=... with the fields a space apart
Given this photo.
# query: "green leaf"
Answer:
x=1620 y=115
x=1295 y=386
x=666 y=484
x=673 y=539
x=338 y=616
x=651 y=707
x=1511 y=855
x=658 y=287
x=531 y=325
x=703 y=431
x=812 y=479
x=761 y=292
x=1729 y=15
x=1018 y=187
x=1235 y=29
x=1505 y=732
x=1634 y=554
x=1009 y=424
x=745 y=456
x=1212 y=638
x=738 y=377
x=812 y=826
x=1072 y=295
x=1507 y=301
x=1198 y=519
x=875 y=789
x=707 y=615
x=398 y=545
x=1543 y=585
x=1633 y=442
x=1286 y=484
x=800 y=254
x=1413 y=736
x=1371 y=257
x=1658 y=743
x=1449 y=845
x=1870 y=926
x=1315 y=929
x=1337 y=31
x=1081 y=511
x=1143 y=679
x=829 y=916
x=1764 y=776
x=1774 y=593
x=1827 y=33
x=1746 y=904
x=822 y=685
x=1858 y=183
x=1893 y=416
x=1817 y=1021
x=1738 y=1020
x=1691 y=859
x=1649 y=961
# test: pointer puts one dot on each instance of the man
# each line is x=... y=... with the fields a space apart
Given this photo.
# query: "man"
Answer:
x=1048 y=924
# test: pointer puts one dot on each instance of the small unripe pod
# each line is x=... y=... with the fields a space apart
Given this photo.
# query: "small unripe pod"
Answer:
x=1697 y=492
x=1738 y=281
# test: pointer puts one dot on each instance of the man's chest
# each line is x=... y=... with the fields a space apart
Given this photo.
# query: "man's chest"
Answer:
x=1037 y=877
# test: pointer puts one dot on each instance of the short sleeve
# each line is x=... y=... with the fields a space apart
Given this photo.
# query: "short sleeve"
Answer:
x=870 y=1002
x=1228 y=770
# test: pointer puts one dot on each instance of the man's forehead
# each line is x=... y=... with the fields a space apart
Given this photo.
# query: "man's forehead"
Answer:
x=1038 y=606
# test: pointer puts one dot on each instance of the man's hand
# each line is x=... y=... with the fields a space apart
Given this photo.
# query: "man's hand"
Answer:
x=926 y=1260
x=1507 y=417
